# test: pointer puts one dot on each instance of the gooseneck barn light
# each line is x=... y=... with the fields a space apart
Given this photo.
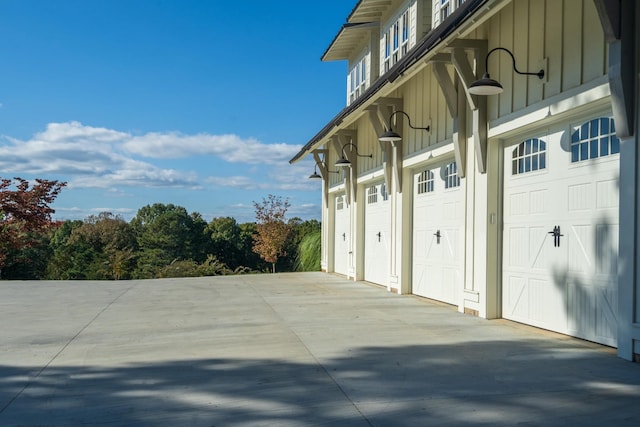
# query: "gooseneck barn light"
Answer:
x=391 y=136
x=316 y=175
x=488 y=86
x=343 y=162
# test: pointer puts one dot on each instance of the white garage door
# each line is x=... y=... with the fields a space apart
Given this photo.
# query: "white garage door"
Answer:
x=377 y=234
x=561 y=231
x=438 y=224
x=341 y=237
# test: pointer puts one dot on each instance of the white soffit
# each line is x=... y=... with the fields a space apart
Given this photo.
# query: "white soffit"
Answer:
x=350 y=37
x=369 y=10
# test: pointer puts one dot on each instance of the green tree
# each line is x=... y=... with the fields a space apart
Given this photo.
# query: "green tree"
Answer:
x=101 y=247
x=65 y=262
x=167 y=233
x=250 y=258
x=113 y=242
x=272 y=228
x=30 y=262
x=226 y=241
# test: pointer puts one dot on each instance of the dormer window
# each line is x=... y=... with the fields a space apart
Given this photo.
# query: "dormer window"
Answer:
x=444 y=9
x=358 y=79
x=405 y=32
x=395 y=41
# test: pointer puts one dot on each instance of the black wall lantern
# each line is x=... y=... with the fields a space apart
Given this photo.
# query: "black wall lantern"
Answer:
x=390 y=135
x=488 y=86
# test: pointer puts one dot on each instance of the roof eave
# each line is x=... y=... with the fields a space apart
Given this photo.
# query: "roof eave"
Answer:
x=346 y=40
x=424 y=46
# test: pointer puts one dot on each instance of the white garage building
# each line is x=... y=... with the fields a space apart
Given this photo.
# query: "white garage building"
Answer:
x=520 y=204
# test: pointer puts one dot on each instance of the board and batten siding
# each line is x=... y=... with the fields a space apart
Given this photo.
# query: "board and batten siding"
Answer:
x=368 y=144
x=564 y=37
x=426 y=105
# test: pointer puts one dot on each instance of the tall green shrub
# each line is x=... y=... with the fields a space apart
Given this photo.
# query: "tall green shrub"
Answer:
x=309 y=252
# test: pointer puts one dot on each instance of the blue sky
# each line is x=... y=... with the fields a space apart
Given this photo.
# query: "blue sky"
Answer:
x=191 y=102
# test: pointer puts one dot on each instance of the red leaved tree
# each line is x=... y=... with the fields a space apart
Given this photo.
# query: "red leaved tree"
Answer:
x=24 y=209
x=272 y=229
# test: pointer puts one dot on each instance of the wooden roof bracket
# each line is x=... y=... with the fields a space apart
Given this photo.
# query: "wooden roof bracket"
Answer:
x=322 y=168
x=477 y=104
x=379 y=114
x=339 y=140
x=455 y=97
x=320 y=162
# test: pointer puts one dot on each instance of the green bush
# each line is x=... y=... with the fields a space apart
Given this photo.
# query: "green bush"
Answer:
x=182 y=268
x=309 y=252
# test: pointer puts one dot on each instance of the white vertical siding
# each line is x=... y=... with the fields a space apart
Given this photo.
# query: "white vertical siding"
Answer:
x=368 y=144
x=566 y=34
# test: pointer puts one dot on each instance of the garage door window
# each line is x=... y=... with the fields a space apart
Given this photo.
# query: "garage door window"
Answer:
x=425 y=182
x=596 y=138
x=529 y=156
x=451 y=178
x=339 y=203
x=384 y=193
x=372 y=195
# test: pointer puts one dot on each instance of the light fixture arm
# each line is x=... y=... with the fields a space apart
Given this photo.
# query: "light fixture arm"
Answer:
x=344 y=162
x=408 y=121
x=540 y=73
x=356 y=150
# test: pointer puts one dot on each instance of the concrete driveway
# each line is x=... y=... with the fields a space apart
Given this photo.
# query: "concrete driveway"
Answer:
x=306 y=349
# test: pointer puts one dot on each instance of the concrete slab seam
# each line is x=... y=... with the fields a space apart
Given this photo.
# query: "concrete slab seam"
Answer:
x=13 y=399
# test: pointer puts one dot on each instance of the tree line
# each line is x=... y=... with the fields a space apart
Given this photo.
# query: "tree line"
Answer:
x=162 y=240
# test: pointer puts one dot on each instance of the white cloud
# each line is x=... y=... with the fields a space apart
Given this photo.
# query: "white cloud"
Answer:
x=79 y=133
x=75 y=212
x=230 y=148
x=241 y=182
x=98 y=157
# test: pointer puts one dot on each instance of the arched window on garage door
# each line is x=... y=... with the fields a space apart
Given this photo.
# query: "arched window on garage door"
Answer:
x=425 y=182
x=451 y=178
x=529 y=156
x=596 y=138
x=372 y=194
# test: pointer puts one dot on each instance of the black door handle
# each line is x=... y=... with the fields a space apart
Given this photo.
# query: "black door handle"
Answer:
x=379 y=235
x=438 y=236
x=556 y=236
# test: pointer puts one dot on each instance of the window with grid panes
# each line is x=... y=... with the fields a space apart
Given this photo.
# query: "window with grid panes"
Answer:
x=445 y=9
x=425 y=182
x=596 y=138
x=451 y=178
x=396 y=41
x=404 y=45
x=358 y=79
x=372 y=194
x=529 y=156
